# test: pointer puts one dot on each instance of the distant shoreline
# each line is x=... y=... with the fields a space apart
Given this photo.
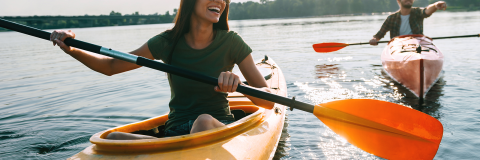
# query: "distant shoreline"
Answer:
x=56 y=22
x=87 y=21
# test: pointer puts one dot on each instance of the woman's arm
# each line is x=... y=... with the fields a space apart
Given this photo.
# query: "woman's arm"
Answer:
x=227 y=81
x=100 y=63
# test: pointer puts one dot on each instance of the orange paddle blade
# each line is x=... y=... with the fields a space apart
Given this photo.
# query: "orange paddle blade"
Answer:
x=385 y=129
x=328 y=47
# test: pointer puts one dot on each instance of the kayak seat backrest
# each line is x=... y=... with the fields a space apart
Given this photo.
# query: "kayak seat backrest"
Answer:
x=238 y=114
x=241 y=111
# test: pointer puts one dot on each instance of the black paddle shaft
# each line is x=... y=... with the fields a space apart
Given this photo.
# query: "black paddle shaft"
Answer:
x=157 y=65
x=464 y=36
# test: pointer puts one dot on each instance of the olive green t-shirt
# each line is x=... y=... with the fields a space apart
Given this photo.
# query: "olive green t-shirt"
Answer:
x=190 y=98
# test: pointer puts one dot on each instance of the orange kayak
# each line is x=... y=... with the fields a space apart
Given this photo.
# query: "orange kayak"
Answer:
x=417 y=69
x=254 y=136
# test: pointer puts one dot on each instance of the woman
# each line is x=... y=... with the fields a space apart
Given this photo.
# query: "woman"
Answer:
x=200 y=41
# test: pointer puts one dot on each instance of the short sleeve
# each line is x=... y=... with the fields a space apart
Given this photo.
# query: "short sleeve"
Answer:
x=158 y=46
x=240 y=50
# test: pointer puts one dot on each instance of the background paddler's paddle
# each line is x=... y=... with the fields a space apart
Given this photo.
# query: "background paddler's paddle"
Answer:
x=382 y=128
x=334 y=46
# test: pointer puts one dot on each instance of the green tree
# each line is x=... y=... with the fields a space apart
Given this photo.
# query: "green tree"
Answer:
x=113 y=13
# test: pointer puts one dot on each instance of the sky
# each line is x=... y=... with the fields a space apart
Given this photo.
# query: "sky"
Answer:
x=90 y=7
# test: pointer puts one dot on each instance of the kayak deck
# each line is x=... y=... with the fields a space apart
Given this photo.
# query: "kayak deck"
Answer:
x=417 y=72
x=252 y=137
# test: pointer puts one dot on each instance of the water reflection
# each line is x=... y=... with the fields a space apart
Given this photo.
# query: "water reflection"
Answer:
x=283 y=145
x=326 y=70
x=431 y=103
x=317 y=140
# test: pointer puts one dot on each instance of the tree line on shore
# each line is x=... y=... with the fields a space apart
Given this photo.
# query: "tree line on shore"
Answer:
x=301 y=8
x=113 y=19
x=238 y=11
x=466 y=4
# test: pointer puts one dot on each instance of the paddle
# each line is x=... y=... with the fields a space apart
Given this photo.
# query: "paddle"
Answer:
x=382 y=128
x=334 y=46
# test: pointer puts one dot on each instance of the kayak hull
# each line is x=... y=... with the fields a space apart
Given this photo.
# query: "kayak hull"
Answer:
x=416 y=72
x=255 y=136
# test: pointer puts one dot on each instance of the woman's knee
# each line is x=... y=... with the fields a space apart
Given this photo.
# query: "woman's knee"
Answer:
x=204 y=119
x=207 y=121
x=203 y=122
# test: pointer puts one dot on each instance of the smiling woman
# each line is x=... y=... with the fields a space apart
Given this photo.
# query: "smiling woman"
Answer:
x=199 y=41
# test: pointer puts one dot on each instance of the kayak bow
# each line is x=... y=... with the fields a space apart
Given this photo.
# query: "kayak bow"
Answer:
x=414 y=62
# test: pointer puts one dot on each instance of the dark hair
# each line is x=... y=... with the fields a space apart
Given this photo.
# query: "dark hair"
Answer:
x=182 y=23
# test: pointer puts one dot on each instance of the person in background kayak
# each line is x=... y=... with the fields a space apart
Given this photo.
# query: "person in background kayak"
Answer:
x=199 y=41
x=408 y=20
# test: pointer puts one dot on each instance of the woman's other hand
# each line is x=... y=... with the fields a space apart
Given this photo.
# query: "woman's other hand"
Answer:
x=58 y=36
x=227 y=82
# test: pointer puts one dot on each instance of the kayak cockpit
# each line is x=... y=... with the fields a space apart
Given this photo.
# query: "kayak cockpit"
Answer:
x=255 y=118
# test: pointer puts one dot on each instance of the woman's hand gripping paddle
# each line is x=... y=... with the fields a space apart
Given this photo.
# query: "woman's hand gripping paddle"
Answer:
x=382 y=128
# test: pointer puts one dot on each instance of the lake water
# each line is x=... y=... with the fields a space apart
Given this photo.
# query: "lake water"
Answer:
x=50 y=104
